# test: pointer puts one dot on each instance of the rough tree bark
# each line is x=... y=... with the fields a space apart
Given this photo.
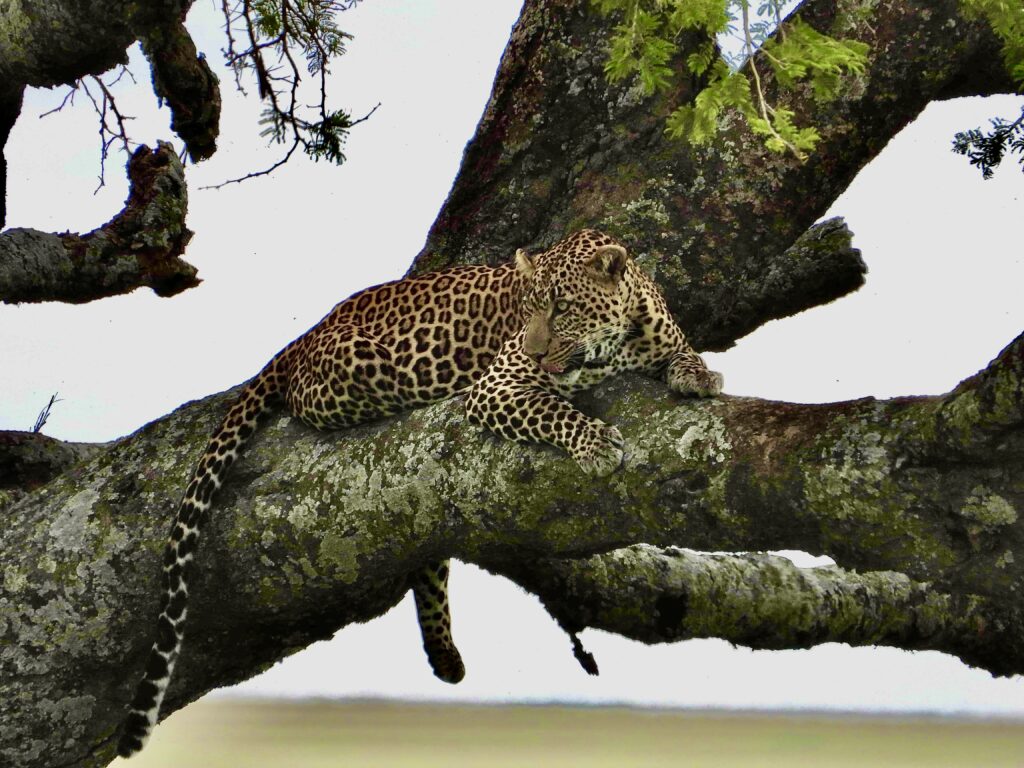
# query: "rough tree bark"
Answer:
x=916 y=499
x=56 y=43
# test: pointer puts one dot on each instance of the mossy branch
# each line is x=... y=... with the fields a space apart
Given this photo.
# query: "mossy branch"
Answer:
x=313 y=531
x=559 y=148
x=764 y=601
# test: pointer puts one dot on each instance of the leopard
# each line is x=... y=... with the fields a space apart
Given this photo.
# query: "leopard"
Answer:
x=516 y=340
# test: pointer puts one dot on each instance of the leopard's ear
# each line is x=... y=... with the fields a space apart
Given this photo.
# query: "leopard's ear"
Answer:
x=608 y=262
x=526 y=264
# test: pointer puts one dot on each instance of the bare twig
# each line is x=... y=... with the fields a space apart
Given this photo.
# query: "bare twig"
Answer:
x=69 y=98
x=105 y=106
x=122 y=71
x=365 y=117
x=110 y=103
x=256 y=174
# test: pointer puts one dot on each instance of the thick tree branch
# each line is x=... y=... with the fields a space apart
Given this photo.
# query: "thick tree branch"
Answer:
x=29 y=460
x=764 y=602
x=57 y=43
x=313 y=531
x=141 y=246
x=10 y=108
x=558 y=148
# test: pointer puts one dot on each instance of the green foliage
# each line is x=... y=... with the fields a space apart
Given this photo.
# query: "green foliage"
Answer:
x=986 y=150
x=277 y=36
x=1006 y=17
x=644 y=43
x=806 y=54
x=698 y=122
x=322 y=139
x=639 y=48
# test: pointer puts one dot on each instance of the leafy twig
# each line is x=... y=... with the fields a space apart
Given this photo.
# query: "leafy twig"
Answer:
x=986 y=150
x=295 y=145
x=275 y=32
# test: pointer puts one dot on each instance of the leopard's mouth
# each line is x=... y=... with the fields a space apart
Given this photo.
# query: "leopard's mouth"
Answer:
x=575 y=362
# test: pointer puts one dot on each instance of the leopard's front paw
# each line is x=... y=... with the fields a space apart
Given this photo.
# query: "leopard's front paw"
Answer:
x=691 y=380
x=599 y=449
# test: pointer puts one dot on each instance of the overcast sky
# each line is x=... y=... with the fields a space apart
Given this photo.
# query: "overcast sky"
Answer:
x=942 y=298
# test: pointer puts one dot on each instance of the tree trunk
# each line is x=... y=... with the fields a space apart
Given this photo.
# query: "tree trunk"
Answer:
x=915 y=498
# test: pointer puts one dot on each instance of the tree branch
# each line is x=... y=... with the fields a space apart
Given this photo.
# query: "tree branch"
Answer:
x=10 y=109
x=29 y=460
x=764 y=602
x=61 y=42
x=186 y=83
x=141 y=246
x=57 y=43
x=316 y=530
x=313 y=531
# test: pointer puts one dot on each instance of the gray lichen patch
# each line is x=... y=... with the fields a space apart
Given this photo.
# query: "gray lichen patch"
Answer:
x=68 y=530
x=706 y=439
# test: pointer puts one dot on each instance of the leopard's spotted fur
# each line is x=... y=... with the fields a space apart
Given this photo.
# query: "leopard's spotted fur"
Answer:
x=551 y=324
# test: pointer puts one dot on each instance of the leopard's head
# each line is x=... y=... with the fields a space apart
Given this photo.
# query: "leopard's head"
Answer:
x=579 y=302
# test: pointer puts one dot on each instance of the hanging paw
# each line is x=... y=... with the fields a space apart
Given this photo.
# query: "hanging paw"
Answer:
x=445 y=661
x=599 y=449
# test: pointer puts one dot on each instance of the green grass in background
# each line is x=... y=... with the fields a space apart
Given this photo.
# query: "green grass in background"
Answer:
x=225 y=733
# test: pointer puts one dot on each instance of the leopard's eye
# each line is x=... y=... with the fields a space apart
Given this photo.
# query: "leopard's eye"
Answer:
x=561 y=305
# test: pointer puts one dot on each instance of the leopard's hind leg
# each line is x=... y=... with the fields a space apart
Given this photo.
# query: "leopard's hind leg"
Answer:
x=430 y=588
x=342 y=376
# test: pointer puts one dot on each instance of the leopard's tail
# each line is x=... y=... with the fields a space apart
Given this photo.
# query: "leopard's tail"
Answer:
x=221 y=452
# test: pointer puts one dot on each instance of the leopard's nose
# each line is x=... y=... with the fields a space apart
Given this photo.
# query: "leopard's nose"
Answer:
x=534 y=348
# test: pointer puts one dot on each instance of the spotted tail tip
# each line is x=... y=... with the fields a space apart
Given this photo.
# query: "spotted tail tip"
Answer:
x=133 y=737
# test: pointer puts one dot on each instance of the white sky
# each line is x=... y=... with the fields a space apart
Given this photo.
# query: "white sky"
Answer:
x=943 y=297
